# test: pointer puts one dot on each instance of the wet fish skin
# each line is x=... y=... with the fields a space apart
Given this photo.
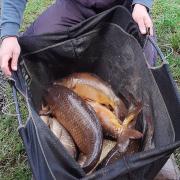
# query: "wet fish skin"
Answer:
x=90 y=86
x=129 y=147
x=111 y=125
x=61 y=133
x=80 y=121
x=64 y=137
x=108 y=145
x=125 y=146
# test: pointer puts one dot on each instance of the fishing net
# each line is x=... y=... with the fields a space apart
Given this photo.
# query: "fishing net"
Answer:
x=3 y=96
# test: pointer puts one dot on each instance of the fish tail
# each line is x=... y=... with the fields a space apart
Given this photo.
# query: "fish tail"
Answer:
x=127 y=134
x=44 y=113
x=136 y=109
x=132 y=114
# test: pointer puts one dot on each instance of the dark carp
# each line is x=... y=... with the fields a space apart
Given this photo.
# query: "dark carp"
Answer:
x=91 y=87
x=80 y=121
x=61 y=133
x=64 y=137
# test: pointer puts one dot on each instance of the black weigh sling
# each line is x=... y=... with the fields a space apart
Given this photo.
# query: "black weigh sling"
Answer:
x=109 y=45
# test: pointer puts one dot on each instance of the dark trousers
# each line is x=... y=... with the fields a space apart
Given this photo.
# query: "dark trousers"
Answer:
x=66 y=13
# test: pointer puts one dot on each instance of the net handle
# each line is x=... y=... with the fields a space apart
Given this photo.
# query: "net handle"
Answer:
x=15 y=98
x=151 y=40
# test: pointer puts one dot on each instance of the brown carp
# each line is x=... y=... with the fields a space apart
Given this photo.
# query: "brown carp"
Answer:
x=110 y=124
x=125 y=146
x=61 y=133
x=80 y=121
x=91 y=87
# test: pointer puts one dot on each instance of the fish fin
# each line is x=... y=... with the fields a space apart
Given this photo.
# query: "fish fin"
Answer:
x=124 y=139
x=45 y=113
x=44 y=110
x=134 y=134
x=132 y=114
x=136 y=108
x=127 y=134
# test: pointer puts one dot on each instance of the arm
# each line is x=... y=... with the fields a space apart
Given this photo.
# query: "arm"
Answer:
x=12 y=13
x=139 y=14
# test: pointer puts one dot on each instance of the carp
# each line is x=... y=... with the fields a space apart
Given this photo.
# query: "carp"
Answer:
x=64 y=137
x=61 y=133
x=110 y=124
x=79 y=119
x=91 y=87
x=124 y=146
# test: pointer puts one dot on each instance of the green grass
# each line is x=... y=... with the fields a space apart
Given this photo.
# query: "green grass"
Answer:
x=166 y=17
x=33 y=9
x=13 y=159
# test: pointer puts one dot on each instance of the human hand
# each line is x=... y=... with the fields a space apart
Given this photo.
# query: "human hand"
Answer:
x=9 y=54
x=142 y=18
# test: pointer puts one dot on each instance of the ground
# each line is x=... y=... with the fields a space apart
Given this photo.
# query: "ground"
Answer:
x=13 y=160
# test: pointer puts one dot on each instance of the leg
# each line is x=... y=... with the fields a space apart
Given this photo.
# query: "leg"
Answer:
x=65 y=13
x=59 y=16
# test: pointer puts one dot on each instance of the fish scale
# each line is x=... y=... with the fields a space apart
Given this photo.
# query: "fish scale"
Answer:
x=80 y=121
x=90 y=86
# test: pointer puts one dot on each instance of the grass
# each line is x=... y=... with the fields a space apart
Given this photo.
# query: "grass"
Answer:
x=33 y=9
x=166 y=16
x=13 y=159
